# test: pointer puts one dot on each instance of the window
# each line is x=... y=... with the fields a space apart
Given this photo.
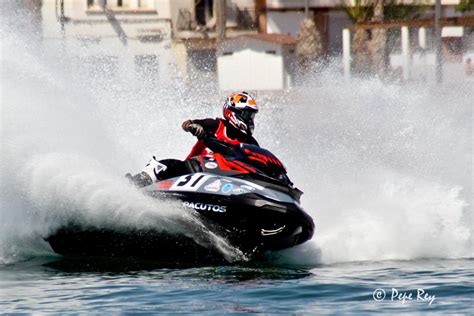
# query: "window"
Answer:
x=121 y=4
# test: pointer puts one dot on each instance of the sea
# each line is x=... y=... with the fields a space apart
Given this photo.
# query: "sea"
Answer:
x=385 y=167
x=55 y=285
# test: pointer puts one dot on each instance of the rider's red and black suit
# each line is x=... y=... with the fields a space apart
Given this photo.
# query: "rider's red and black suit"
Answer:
x=222 y=130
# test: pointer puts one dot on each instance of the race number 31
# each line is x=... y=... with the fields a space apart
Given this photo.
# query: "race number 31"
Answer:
x=190 y=182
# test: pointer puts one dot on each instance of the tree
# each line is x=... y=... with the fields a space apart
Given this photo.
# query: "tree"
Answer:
x=373 y=55
x=396 y=10
x=379 y=39
x=465 y=6
x=360 y=12
x=309 y=45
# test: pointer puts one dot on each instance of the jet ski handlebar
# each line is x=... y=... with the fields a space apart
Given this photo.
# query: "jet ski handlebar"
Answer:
x=239 y=152
x=219 y=146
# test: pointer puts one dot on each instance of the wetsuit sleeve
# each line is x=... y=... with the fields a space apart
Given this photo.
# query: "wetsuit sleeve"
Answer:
x=209 y=125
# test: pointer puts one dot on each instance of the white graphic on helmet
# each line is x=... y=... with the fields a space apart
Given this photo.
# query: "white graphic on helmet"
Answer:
x=240 y=110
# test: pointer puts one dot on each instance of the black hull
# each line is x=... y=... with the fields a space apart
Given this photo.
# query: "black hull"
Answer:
x=251 y=224
x=168 y=249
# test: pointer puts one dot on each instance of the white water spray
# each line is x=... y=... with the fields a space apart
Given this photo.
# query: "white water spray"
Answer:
x=65 y=147
x=386 y=168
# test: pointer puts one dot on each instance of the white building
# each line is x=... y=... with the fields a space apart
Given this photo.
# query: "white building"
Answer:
x=256 y=62
x=127 y=36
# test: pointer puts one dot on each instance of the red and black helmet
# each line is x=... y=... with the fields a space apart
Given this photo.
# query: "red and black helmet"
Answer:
x=240 y=110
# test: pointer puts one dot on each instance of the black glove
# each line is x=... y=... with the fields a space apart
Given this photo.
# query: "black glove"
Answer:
x=186 y=124
x=197 y=130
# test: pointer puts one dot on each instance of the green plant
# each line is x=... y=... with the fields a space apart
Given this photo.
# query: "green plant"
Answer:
x=465 y=6
x=360 y=12
x=395 y=10
x=363 y=10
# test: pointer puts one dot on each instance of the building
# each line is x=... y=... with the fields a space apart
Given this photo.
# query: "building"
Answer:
x=115 y=36
x=157 y=38
x=256 y=62
x=410 y=41
x=285 y=17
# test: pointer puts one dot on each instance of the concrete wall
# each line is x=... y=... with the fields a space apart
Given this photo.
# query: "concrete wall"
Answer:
x=176 y=6
x=263 y=72
x=287 y=22
x=262 y=66
x=163 y=8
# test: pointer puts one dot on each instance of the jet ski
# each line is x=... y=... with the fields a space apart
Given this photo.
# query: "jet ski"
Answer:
x=242 y=193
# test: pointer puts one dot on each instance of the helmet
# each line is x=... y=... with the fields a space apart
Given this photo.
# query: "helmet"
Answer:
x=240 y=110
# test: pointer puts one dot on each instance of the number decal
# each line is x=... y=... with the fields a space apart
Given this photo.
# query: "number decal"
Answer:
x=197 y=180
x=190 y=182
x=181 y=183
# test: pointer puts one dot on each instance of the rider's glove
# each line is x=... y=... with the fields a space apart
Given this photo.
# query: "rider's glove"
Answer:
x=186 y=124
x=196 y=129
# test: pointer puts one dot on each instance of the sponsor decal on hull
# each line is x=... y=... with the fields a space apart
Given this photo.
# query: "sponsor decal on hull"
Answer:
x=164 y=185
x=210 y=165
x=205 y=207
x=227 y=188
x=214 y=186
x=249 y=185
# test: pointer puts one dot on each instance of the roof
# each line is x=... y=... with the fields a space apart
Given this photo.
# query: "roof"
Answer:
x=273 y=38
x=195 y=43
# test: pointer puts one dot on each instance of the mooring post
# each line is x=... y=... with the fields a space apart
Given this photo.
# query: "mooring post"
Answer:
x=406 y=52
x=346 y=52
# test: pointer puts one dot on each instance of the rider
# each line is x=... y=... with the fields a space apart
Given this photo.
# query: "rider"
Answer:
x=236 y=127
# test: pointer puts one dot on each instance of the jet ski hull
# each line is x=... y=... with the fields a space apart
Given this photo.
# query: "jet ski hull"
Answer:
x=145 y=244
x=248 y=200
x=249 y=223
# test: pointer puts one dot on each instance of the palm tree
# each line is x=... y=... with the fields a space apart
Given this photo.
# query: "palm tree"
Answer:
x=465 y=6
x=379 y=39
x=309 y=47
x=360 y=12
x=375 y=56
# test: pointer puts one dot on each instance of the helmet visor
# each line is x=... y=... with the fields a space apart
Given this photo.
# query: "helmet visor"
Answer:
x=248 y=115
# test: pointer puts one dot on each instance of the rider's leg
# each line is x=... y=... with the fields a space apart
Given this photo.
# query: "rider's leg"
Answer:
x=158 y=170
x=175 y=168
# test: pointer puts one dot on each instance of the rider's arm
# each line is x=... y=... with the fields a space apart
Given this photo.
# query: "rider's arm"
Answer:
x=209 y=125
x=200 y=127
